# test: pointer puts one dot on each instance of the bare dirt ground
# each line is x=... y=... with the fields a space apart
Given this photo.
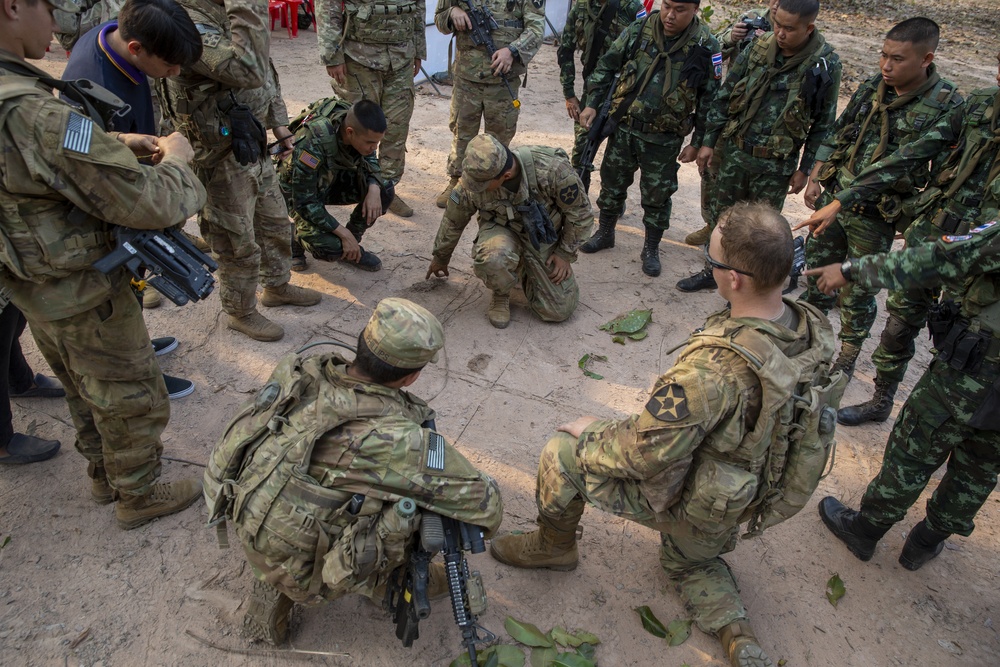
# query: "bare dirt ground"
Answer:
x=75 y=590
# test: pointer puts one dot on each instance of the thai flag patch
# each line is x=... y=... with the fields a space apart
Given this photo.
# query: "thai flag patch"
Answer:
x=79 y=130
x=641 y=14
x=309 y=160
x=717 y=64
x=983 y=227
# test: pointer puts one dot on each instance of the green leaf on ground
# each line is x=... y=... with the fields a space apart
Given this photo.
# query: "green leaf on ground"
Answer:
x=639 y=335
x=586 y=650
x=543 y=656
x=526 y=633
x=629 y=323
x=651 y=623
x=678 y=631
x=835 y=589
x=559 y=635
x=572 y=660
x=618 y=339
x=583 y=364
x=587 y=637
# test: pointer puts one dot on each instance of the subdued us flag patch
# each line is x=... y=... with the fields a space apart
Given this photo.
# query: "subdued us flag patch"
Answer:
x=435 y=452
x=79 y=131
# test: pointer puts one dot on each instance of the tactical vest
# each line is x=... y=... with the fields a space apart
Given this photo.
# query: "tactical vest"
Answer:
x=774 y=470
x=379 y=22
x=792 y=126
x=258 y=478
x=509 y=17
x=673 y=110
x=43 y=238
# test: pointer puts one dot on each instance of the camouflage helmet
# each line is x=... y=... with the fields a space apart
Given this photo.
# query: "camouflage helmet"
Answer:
x=486 y=159
x=403 y=334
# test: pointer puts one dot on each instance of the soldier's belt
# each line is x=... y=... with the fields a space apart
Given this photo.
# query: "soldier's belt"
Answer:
x=748 y=146
x=394 y=9
x=865 y=209
x=642 y=126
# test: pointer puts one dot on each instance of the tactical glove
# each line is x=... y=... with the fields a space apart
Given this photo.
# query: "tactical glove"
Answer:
x=248 y=135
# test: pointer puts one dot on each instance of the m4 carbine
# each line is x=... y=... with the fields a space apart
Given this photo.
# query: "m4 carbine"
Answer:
x=483 y=25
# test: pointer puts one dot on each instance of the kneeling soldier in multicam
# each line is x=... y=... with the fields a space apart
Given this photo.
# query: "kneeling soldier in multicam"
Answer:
x=533 y=216
x=311 y=471
x=697 y=462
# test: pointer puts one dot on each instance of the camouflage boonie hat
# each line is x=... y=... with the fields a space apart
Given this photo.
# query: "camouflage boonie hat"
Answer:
x=403 y=334
x=485 y=160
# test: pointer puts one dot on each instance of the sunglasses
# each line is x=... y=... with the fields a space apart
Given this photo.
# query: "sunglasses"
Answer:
x=723 y=267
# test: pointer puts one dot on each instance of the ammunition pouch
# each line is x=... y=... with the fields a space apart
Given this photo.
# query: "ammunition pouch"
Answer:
x=940 y=319
x=964 y=349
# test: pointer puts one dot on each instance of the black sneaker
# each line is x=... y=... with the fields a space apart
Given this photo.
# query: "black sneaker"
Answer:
x=177 y=387
x=164 y=345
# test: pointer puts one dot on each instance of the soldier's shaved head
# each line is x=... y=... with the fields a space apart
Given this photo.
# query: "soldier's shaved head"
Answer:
x=806 y=10
x=367 y=115
x=923 y=33
x=758 y=240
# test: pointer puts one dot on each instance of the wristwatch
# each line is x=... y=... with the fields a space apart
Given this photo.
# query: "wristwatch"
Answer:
x=846 y=269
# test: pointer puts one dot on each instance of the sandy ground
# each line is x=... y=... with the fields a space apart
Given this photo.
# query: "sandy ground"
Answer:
x=75 y=590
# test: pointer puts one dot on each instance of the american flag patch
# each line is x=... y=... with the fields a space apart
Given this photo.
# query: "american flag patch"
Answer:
x=309 y=160
x=79 y=131
x=435 y=451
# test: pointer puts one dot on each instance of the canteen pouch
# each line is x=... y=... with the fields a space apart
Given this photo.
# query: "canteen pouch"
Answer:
x=719 y=493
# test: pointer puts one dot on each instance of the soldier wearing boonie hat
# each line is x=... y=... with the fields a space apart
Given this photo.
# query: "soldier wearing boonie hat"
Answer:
x=403 y=334
x=533 y=216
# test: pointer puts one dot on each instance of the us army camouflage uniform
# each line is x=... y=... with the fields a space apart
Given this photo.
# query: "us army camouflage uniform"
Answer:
x=645 y=468
x=70 y=26
x=652 y=129
x=57 y=208
x=872 y=178
x=967 y=188
x=478 y=94
x=245 y=220
x=503 y=255
x=322 y=170
x=582 y=25
x=379 y=41
x=768 y=108
x=953 y=413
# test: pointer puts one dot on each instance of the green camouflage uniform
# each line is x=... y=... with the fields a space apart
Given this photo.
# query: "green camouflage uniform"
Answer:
x=687 y=465
x=953 y=413
x=725 y=36
x=64 y=182
x=768 y=108
x=582 y=23
x=322 y=170
x=70 y=26
x=378 y=41
x=663 y=110
x=966 y=188
x=873 y=164
x=478 y=94
x=245 y=220
x=503 y=255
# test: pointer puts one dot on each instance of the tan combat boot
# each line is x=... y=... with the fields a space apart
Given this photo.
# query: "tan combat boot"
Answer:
x=700 y=237
x=257 y=327
x=442 y=199
x=545 y=547
x=499 y=311
x=163 y=499
x=151 y=298
x=268 y=614
x=846 y=360
x=289 y=295
x=100 y=489
x=401 y=208
x=741 y=647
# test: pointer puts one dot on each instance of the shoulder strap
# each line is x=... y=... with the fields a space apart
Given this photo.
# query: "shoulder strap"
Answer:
x=528 y=164
x=99 y=103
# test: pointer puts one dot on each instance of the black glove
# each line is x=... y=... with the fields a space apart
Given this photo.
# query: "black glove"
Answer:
x=248 y=135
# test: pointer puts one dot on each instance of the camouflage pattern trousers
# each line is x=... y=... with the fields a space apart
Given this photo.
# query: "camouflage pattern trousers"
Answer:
x=473 y=102
x=627 y=151
x=501 y=259
x=931 y=430
x=850 y=235
x=114 y=387
x=742 y=177
x=346 y=188
x=246 y=224
x=688 y=555
x=394 y=92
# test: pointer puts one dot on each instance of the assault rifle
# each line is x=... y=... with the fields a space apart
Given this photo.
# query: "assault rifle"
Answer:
x=798 y=264
x=602 y=128
x=177 y=269
x=406 y=594
x=483 y=24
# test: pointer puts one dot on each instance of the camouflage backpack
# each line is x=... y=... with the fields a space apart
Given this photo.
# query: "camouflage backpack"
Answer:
x=793 y=438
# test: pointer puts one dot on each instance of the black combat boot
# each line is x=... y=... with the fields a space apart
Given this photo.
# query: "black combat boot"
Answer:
x=650 y=255
x=859 y=534
x=605 y=236
x=699 y=281
x=298 y=254
x=922 y=544
x=875 y=410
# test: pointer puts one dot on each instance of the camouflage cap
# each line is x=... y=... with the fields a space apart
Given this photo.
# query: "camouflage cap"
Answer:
x=485 y=160
x=403 y=334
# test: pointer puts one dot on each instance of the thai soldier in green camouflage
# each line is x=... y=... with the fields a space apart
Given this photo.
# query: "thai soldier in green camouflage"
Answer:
x=591 y=27
x=245 y=220
x=780 y=95
x=691 y=464
x=966 y=188
x=360 y=444
x=666 y=85
x=334 y=163
x=479 y=93
x=64 y=182
x=372 y=49
x=865 y=173
x=82 y=15
x=512 y=191
x=953 y=413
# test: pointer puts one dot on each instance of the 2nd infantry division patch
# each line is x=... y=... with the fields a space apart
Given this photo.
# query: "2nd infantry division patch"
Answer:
x=569 y=194
x=79 y=130
x=669 y=403
x=435 y=452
